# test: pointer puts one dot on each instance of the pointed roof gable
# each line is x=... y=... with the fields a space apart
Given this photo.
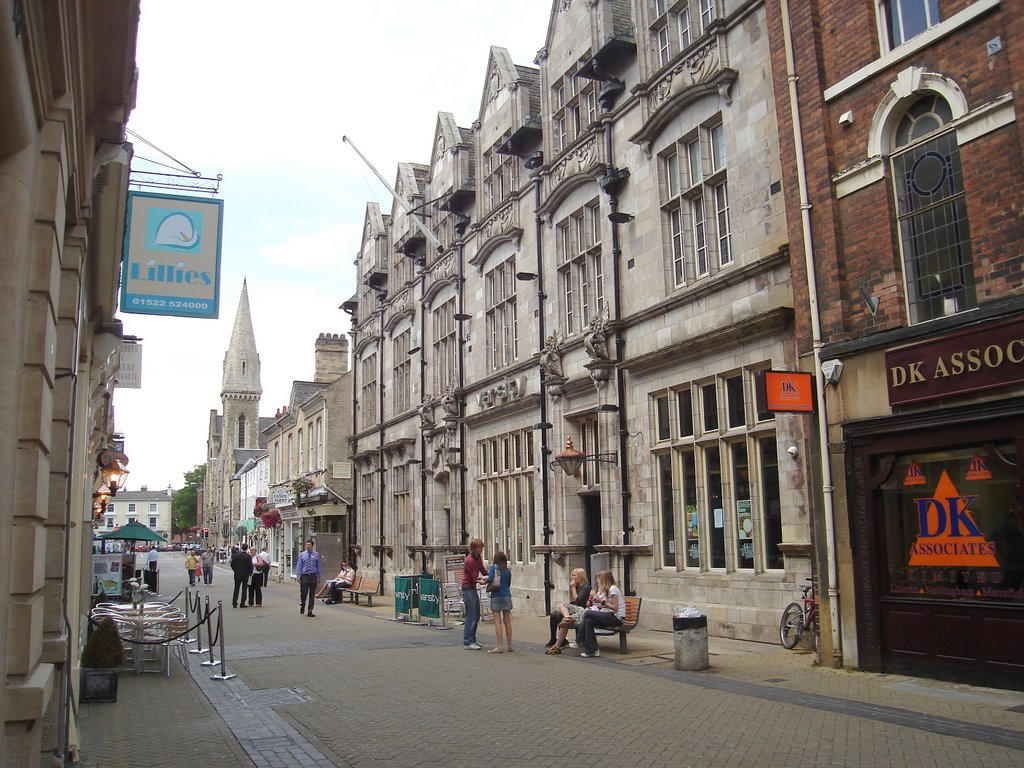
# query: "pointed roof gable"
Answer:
x=242 y=361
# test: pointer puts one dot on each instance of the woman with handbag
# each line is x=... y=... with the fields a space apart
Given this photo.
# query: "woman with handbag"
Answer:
x=499 y=588
x=579 y=594
x=607 y=610
x=256 y=579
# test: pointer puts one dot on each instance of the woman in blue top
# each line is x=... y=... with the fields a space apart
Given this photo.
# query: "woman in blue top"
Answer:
x=500 y=576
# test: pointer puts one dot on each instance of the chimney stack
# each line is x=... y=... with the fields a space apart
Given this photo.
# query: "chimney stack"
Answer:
x=331 y=357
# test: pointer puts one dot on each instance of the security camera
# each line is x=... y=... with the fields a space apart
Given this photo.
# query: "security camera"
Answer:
x=793 y=451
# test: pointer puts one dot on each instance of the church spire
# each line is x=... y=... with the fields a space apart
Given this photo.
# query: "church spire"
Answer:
x=242 y=361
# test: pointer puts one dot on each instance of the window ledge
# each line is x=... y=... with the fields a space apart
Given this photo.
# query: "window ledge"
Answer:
x=911 y=48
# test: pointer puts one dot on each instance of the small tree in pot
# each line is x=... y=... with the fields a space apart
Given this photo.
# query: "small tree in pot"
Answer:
x=102 y=655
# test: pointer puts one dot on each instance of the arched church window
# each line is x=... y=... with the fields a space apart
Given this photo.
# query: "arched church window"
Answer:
x=932 y=212
x=241 y=431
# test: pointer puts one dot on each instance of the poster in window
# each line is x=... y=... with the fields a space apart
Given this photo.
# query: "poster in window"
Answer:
x=744 y=523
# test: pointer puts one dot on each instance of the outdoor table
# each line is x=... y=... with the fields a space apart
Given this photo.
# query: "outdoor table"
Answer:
x=139 y=622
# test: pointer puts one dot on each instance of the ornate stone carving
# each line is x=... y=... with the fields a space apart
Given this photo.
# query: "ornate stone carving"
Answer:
x=696 y=68
x=499 y=223
x=595 y=341
x=578 y=160
x=551 y=356
x=427 y=414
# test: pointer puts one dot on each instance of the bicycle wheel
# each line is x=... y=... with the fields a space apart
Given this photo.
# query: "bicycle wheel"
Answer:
x=792 y=625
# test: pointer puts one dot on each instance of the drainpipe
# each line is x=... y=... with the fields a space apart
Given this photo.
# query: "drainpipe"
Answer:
x=463 y=533
x=620 y=343
x=812 y=295
x=380 y=461
x=545 y=451
x=423 y=440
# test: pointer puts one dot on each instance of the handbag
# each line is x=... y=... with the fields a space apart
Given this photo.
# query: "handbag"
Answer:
x=494 y=584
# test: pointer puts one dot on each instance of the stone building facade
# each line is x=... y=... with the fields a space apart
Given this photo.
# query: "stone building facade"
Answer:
x=309 y=462
x=902 y=152
x=605 y=261
x=149 y=508
x=67 y=86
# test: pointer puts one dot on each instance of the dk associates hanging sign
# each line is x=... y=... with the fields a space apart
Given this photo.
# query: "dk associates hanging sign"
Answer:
x=172 y=256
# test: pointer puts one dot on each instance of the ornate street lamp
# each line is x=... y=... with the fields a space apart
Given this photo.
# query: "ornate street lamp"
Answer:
x=571 y=461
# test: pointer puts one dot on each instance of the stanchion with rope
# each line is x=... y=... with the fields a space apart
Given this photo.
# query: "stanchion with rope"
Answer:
x=188 y=611
x=199 y=625
x=220 y=633
x=211 y=662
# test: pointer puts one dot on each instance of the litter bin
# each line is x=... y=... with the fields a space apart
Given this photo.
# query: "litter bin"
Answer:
x=691 y=642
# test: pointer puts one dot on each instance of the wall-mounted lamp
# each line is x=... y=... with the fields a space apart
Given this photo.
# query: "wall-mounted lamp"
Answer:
x=832 y=371
x=618 y=217
x=461 y=317
x=526 y=276
x=571 y=461
x=542 y=425
x=461 y=222
x=534 y=161
x=793 y=451
x=608 y=408
x=112 y=470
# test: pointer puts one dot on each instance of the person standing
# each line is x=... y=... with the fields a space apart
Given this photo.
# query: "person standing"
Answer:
x=472 y=569
x=151 y=557
x=190 y=566
x=499 y=586
x=256 y=580
x=208 y=559
x=266 y=571
x=241 y=566
x=308 y=571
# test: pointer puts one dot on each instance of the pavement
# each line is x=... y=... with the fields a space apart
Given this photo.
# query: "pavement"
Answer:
x=354 y=687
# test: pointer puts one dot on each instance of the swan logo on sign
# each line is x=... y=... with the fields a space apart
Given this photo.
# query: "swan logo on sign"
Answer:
x=948 y=535
x=172 y=255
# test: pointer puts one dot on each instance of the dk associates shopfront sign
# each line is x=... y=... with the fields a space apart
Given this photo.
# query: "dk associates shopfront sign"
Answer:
x=172 y=256
x=982 y=357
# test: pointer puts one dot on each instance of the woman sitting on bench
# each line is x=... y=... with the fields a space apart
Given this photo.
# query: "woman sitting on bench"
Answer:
x=332 y=587
x=564 y=616
x=608 y=609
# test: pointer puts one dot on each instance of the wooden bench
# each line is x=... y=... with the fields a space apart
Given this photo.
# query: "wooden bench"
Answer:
x=363 y=586
x=628 y=623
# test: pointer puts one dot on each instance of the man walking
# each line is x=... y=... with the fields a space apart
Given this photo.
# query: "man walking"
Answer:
x=241 y=565
x=208 y=559
x=308 y=571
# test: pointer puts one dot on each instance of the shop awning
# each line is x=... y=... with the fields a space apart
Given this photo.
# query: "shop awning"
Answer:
x=250 y=524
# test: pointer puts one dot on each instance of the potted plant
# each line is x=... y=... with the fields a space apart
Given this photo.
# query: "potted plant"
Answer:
x=102 y=655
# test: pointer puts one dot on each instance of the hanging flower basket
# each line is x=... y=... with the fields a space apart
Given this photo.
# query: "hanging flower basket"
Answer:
x=271 y=518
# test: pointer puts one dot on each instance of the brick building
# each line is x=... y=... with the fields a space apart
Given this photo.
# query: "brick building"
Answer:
x=902 y=163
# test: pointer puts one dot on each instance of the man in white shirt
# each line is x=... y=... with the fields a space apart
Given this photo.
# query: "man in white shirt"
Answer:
x=152 y=557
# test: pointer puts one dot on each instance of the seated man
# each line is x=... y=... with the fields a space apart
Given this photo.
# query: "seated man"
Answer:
x=332 y=587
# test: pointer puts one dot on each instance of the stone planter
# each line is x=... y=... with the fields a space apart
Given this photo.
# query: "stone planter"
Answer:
x=98 y=686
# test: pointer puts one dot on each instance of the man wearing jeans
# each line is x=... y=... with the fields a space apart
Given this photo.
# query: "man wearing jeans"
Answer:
x=308 y=571
x=472 y=569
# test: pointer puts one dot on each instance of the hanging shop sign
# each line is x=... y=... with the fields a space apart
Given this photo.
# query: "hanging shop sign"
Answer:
x=979 y=358
x=171 y=256
x=789 y=391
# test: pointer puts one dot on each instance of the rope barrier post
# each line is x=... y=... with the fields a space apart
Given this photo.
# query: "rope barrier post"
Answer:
x=188 y=623
x=220 y=632
x=209 y=637
x=199 y=628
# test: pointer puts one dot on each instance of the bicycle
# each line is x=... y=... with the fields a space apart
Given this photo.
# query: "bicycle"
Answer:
x=796 y=617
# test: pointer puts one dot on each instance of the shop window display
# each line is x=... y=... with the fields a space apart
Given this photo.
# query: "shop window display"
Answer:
x=953 y=525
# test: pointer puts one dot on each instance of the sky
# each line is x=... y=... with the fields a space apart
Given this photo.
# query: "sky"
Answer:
x=261 y=93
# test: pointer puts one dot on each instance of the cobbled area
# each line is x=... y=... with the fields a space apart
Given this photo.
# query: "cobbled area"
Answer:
x=353 y=687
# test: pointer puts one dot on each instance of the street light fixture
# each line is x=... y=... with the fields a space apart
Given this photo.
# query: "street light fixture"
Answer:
x=571 y=461
x=112 y=469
